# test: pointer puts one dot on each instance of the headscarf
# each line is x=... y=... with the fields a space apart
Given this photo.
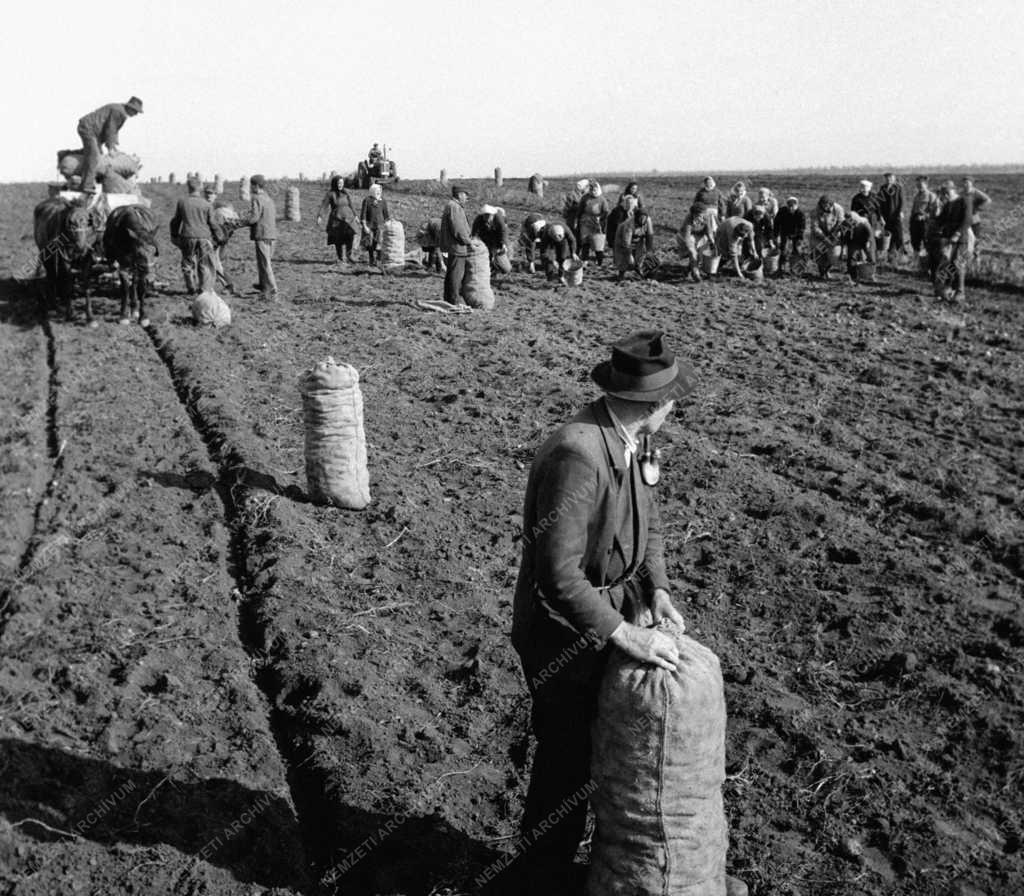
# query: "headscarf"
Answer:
x=488 y=210
x=595 y=188
x=582 y=185
x=376 y=191
x=557 y=230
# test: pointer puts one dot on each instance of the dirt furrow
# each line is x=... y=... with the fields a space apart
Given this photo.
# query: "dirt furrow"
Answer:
x=134 y=743
x=31 y=452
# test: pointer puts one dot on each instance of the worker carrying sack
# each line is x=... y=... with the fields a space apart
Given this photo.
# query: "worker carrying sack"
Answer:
x=659 y=763
x=476 y=286
x=209 y=308
x=336 y=471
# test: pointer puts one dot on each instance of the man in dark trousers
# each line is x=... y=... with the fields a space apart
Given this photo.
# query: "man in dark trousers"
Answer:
x=890 y=210
x=592 y=576
x=455 y=237
x=790 y=225
x=100 y=128
x=262 y=223
x=196 y=233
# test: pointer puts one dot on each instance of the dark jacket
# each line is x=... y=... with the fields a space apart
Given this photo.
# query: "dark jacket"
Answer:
x=338 y=205
x=790 y=224
x=262 y=218
x=455 y=235
x=573 y=525
x=194 y=220
x=548 y=242
x=373 y=213
x=104 y=124
x=494 y=234
x=890 y=201
x=713 y=199
x=867 y=206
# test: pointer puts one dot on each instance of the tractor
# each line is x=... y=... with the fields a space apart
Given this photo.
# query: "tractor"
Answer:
x=377 y=168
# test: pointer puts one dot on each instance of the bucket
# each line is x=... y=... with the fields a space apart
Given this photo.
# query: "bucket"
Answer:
x=924 y=262
x=709 y=263
x=502 y=263
x=597 y=241
x=572 y=271
x=864 y=272
x=884 y=241
x=754 y=270
x=771 y=263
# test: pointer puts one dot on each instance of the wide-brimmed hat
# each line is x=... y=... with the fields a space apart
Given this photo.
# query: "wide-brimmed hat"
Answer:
x=134 y=103
x=643 y=369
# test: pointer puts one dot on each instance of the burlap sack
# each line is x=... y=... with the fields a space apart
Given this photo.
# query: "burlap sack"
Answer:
x=476 y=287
x=659 y=764
x=69 y=161
x=392 y=244
x=336 y=469
x=210 y=308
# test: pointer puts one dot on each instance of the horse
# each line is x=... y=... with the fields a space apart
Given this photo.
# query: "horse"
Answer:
x=65 y=233
x=130 y=240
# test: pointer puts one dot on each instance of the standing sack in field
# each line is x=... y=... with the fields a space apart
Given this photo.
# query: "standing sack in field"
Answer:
x=659 y=763
x=210 y=308
x=292 y=205
x=476 y=287
x=336 y=470
x=392 y=244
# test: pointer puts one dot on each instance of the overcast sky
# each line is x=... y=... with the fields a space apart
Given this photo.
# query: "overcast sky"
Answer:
x=612 y=85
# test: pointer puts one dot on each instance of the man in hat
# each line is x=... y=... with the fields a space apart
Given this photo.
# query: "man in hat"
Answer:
x=195 y=232
x=100 y=129
x=790 y=224
x=890 y=212
x=924 y=209
x=591 y=579
x=262 y=223
x=455 y=240
x=226 y=219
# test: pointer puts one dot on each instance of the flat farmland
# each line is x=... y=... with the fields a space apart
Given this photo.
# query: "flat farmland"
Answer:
x=209 y=684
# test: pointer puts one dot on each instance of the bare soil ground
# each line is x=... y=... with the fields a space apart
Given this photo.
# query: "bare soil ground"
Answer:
x=210 y=685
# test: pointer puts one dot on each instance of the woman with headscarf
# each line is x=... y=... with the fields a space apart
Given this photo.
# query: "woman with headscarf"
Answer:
x=571 y=203
x=826 y=231
x=634 y=238
x=710 y=197
x=618 y=213
x=492 y=230
x=341 y=219
x=592 y=216
x=738 y=203
x=767 y=198
x=372 y=215
x=696 y=234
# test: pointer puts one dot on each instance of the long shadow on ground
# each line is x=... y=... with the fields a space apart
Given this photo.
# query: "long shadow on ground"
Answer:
x=253 y=834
